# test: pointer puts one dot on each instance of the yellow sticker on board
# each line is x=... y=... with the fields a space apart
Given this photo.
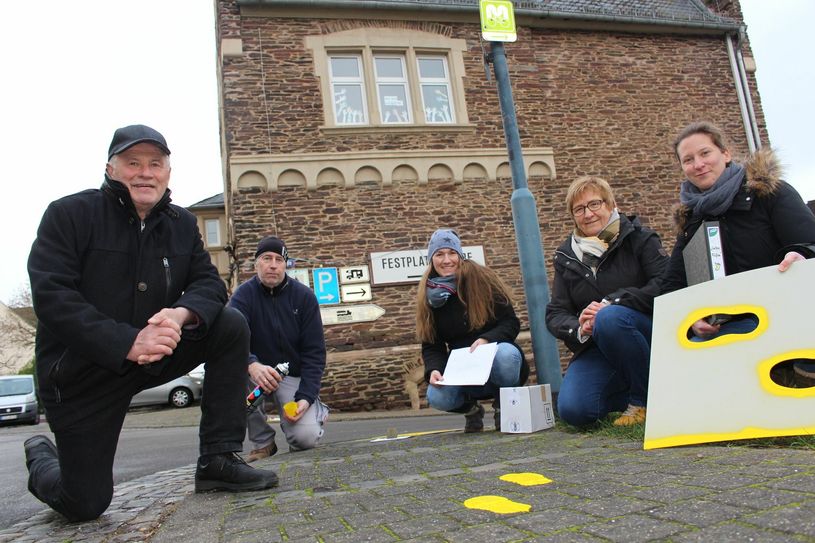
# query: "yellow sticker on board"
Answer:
x=497 y=504
x=526 y=479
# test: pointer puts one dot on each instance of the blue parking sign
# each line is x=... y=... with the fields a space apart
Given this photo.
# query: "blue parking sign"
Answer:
x=326 y=285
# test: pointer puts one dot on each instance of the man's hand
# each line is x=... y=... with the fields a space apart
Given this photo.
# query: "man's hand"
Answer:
x=179 y=315
x=789 y=258
x=302 y=407
x=435 y=378
x=265 y=376
x=154 y=342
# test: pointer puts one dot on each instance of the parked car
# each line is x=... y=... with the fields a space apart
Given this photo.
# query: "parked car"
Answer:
x=180 y=392
x=18 y=400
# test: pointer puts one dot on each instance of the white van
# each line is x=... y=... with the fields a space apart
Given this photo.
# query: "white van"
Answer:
x=18 y=399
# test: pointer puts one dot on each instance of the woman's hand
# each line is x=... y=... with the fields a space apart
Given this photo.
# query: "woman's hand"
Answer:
x=704 y=329
x=435 y=378
x=476 y=343
x=586 y=318
x=789 y=258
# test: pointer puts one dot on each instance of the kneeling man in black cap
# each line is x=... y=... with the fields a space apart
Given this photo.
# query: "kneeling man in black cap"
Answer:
x=127 y=299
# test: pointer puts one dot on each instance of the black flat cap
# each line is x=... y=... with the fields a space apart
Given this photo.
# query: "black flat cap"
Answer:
x=127 y=137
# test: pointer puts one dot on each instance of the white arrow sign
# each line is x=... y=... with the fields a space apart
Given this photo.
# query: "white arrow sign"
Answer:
x=356 y=293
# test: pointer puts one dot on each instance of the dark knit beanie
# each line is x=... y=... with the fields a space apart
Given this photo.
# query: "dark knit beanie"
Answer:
x=272 y=244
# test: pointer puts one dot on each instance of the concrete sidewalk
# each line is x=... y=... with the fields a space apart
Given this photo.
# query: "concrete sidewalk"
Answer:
x=414 y=489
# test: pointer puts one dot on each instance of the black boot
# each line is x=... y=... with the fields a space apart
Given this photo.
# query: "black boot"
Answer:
x=496 y=414
x=228 y=471
x=474 y=419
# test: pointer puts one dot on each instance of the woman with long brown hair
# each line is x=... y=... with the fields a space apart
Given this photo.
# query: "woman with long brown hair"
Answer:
x=464 y=304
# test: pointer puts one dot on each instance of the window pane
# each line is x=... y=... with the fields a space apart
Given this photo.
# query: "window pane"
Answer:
x=213 y=232
x=348 y=104
x=344 y=67
x=389 y=67
x=431 y=68
x=393 y=104
x=436 y=104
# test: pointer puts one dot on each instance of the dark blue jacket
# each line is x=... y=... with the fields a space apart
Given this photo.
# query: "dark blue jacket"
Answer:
x=286 y=326
x=97 y=276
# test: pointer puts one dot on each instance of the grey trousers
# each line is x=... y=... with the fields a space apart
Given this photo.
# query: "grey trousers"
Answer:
x=303 y=434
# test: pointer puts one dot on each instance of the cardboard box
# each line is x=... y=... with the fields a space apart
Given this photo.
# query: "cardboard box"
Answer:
x=526 y=409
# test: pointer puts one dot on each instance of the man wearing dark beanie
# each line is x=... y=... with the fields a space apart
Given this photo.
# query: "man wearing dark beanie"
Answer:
x=127 y=299
x=285 y=326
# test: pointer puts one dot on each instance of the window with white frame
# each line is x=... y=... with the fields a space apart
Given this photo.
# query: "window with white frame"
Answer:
x=405 y=79
x=392 y=89
x=348 y=90
x=212 y=231
x=434 y=82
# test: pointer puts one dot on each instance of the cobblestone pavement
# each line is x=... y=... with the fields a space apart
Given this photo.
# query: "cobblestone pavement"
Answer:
x=414 y=490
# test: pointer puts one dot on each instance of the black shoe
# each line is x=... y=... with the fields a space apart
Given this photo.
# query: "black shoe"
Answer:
x=228 y=471
x=497 y=416
x=474 y=419
x=38 y=447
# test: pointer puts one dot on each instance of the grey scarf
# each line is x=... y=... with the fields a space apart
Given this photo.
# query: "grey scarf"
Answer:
x=717 y=199
x=439 y=289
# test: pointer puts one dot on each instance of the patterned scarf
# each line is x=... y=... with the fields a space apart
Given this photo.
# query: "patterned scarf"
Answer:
x=591 y=249
x=439 y=289
x=717 y=199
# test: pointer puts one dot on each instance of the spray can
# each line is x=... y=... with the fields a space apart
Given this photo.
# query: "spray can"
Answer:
x=256 y=396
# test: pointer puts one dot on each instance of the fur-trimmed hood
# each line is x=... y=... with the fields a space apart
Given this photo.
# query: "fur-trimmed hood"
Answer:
x=763 y=177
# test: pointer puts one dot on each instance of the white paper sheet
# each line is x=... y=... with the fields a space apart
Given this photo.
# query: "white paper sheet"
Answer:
x=466 y=368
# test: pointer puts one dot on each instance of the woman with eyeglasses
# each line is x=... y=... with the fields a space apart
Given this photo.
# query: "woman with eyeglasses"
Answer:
x=461 y=304
x=606 y=276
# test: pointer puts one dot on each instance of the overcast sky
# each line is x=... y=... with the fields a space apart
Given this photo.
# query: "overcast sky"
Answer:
x=73 y=72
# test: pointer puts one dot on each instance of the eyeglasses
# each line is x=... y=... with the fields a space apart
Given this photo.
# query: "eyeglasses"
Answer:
x=592 y=206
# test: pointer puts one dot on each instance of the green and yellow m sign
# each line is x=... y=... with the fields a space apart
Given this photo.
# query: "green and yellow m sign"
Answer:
x=497 y=20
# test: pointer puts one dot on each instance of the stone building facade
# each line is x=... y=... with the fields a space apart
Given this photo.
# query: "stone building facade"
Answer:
x=332 y=139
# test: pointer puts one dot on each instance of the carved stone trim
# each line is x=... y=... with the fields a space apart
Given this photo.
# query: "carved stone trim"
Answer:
x=381 y=168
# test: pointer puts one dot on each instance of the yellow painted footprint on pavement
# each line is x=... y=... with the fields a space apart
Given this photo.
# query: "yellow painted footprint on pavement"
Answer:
x=526 y=479
x=497 y=504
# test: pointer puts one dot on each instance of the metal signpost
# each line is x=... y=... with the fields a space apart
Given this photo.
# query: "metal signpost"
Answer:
x=498 y=25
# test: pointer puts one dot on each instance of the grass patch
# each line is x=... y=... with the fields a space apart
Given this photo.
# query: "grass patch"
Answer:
x=636 y=433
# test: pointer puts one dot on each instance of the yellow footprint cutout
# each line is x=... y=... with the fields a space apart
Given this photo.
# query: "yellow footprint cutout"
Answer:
x=526 y=479
x=497 y=504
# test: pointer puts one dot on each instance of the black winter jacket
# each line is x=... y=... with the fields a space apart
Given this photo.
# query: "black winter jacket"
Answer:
x=452 y=332
x=285 y=326
x=97 y=276
x=767 y=219
x=628 y=274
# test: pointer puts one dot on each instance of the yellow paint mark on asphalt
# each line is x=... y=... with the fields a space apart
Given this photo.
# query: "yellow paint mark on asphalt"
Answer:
x=497 y=504
x=410 y=434
x=526 y=479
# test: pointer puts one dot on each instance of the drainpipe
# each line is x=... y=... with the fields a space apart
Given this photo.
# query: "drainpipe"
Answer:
x=745 y=85
x=740 y=93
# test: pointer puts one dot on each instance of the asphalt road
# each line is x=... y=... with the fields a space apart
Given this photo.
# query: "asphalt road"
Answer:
x=159 y=439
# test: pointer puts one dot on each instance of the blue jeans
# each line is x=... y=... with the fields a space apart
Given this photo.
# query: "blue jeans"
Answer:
x=506 y=372
x=612 y=372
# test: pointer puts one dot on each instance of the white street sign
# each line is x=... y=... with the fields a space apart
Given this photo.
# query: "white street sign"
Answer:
x=408 y=266
x=346 y=314
x=360 y=292
x=301 y=275
x=354 y=274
